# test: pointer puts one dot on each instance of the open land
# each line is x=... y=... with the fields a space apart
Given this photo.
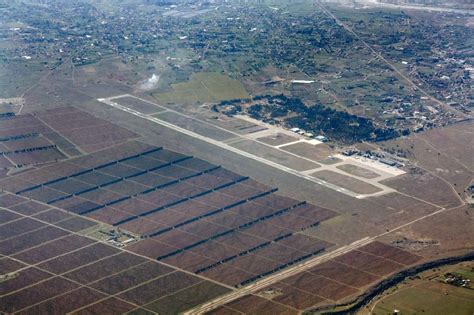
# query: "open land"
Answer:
x=429 y=292
x=129 y=185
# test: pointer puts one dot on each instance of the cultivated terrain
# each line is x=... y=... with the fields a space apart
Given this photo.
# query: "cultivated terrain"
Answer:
x=268 y=157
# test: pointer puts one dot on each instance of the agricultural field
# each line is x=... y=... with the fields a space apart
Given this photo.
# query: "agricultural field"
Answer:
x=429 y=293
x=50 y=268
x=161 y=160
x=203 y=88
x=329 y=282
x=187 y=212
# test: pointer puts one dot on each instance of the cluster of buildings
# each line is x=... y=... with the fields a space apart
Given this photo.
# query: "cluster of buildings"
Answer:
x=309 y=134
x=375 y=156
x=457 y=280
x=118 y=238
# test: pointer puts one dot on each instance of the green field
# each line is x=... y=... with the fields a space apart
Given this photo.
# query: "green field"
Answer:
x=204 y=87
x=430 y=298
x=465 y=273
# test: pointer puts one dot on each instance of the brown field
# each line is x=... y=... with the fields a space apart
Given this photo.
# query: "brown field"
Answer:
x=53 y=216
x=240 y=240
x=31 y=239
x=170 y=217
x=7 y=216
x=344 y=274
x=52 y=249
x=187 y=298
x=29 y=208
x=332 y=290
x=66 y=302
x=369 y=263
x=320 y=286
x=240 y=191
x=251 y=304
x=455 y=141
x=18 y=227
x=291 y=221
x=310 y=151
x=151 y=248
x=108 y=215
x=9 y=265
x=227 y=274
x=304 y=243
x=447 y=239
x=134 y=206
x=101 y=196
x=214 y=250
x=35 y=294
x=279 y=253
x=25 y=278
x=276 y=201
x=142 y=226
x=426 y=187
x=266 y=231
x=229 y=219
x=188 y=261
x=207 y=180
x=155 y=289
x=254 y=264
x=37 y=290
x=178 y=238
x=445 y=152
x=76 y=224
x=104 y=268
x=313 y=212
x=13 y=184
x=203 y=228
x=112 y=305
x=131 y=277
x=253 y=209
x=76 y=259
x=290 y=296
x=391 y=253
x=184 y=190
x=191 y=208
x=346 y=182
x=358 y=171
x=216 y=199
